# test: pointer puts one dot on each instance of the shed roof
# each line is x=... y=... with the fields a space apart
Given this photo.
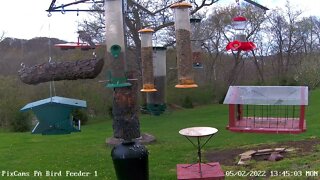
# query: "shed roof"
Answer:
x=267 y=95
x=57 y=100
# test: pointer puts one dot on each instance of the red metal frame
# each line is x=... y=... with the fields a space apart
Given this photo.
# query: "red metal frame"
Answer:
x=264 y=124
x=74 y=45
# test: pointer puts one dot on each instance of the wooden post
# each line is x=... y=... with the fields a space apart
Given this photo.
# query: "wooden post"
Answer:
x=125 y=112
x=239 y=112
x=302 y=117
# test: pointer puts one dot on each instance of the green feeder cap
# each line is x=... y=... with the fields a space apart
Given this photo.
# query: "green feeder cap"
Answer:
x=115 y=50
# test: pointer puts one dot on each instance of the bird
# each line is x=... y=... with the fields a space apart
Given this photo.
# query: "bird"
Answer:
x=84 y=36
x=22 y=65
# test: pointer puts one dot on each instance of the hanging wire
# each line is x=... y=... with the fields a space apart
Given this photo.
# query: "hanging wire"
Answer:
x=52 y=88
x=62 y=9
x=126 y=37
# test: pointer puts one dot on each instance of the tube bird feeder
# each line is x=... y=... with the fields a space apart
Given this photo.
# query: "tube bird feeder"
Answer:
x=183 y=42
x=147 y=62
x=115 y=44
x=156 y=101
x=197 y=61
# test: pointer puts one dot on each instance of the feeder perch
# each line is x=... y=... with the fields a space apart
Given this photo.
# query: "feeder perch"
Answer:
x=147 y=60
x=54 y=115
x=117 y=82
x=240 y=42
x=267 y=109
x=183 y=45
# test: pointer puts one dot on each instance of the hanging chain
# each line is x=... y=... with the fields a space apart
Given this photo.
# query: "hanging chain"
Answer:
x=238 y=6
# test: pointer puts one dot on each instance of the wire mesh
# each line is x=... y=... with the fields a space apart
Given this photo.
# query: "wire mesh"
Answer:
x=267 y=116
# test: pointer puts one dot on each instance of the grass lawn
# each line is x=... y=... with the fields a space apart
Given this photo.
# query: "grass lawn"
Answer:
x=87 y=152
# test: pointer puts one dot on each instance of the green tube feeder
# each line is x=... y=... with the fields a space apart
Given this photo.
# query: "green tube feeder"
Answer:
x=116 y=75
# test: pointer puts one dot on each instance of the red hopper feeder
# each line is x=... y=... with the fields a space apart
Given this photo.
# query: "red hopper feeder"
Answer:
x=240 y=42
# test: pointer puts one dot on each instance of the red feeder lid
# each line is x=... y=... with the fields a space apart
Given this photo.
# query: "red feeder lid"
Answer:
x=239 y=18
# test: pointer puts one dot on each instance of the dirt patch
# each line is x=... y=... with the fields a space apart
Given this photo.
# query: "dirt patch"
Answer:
x=229 y=157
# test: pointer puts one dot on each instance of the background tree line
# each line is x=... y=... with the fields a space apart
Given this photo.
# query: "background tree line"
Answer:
x=287 y=42
x=287 y=54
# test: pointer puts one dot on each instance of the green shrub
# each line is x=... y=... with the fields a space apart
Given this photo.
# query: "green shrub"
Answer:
x=187 y=102
x=21 y=122
x=81 y=115
x=110 y=112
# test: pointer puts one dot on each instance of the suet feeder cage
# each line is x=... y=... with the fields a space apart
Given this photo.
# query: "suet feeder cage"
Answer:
x=115 y=44
x=267 y=109
x=197 y=61
x=147 y=62
x=240 y=42
x=54 y=115
x=183 y=44
x=156 y=101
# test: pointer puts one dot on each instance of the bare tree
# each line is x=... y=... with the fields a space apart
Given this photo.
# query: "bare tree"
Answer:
x=2 y=36
x=283 y=30
x=308 y=73
x=141 y=14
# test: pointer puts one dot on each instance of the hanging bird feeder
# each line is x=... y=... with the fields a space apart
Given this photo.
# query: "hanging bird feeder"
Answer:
x=183 y=44
x=54 y=115
x=267 y=109
x=115 y=45
x=197 y=61
x=156 y=102
x=85 y=45
x=147 y=62
x=240 y=42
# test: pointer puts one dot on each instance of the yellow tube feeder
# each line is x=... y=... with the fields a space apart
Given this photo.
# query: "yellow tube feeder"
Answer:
x=147 y=60
x=183 y=45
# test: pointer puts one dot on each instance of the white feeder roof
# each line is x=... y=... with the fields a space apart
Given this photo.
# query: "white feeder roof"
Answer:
x=267 y=95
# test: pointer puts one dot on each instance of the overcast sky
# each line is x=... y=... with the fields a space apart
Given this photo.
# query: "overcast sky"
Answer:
x=27 y=19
